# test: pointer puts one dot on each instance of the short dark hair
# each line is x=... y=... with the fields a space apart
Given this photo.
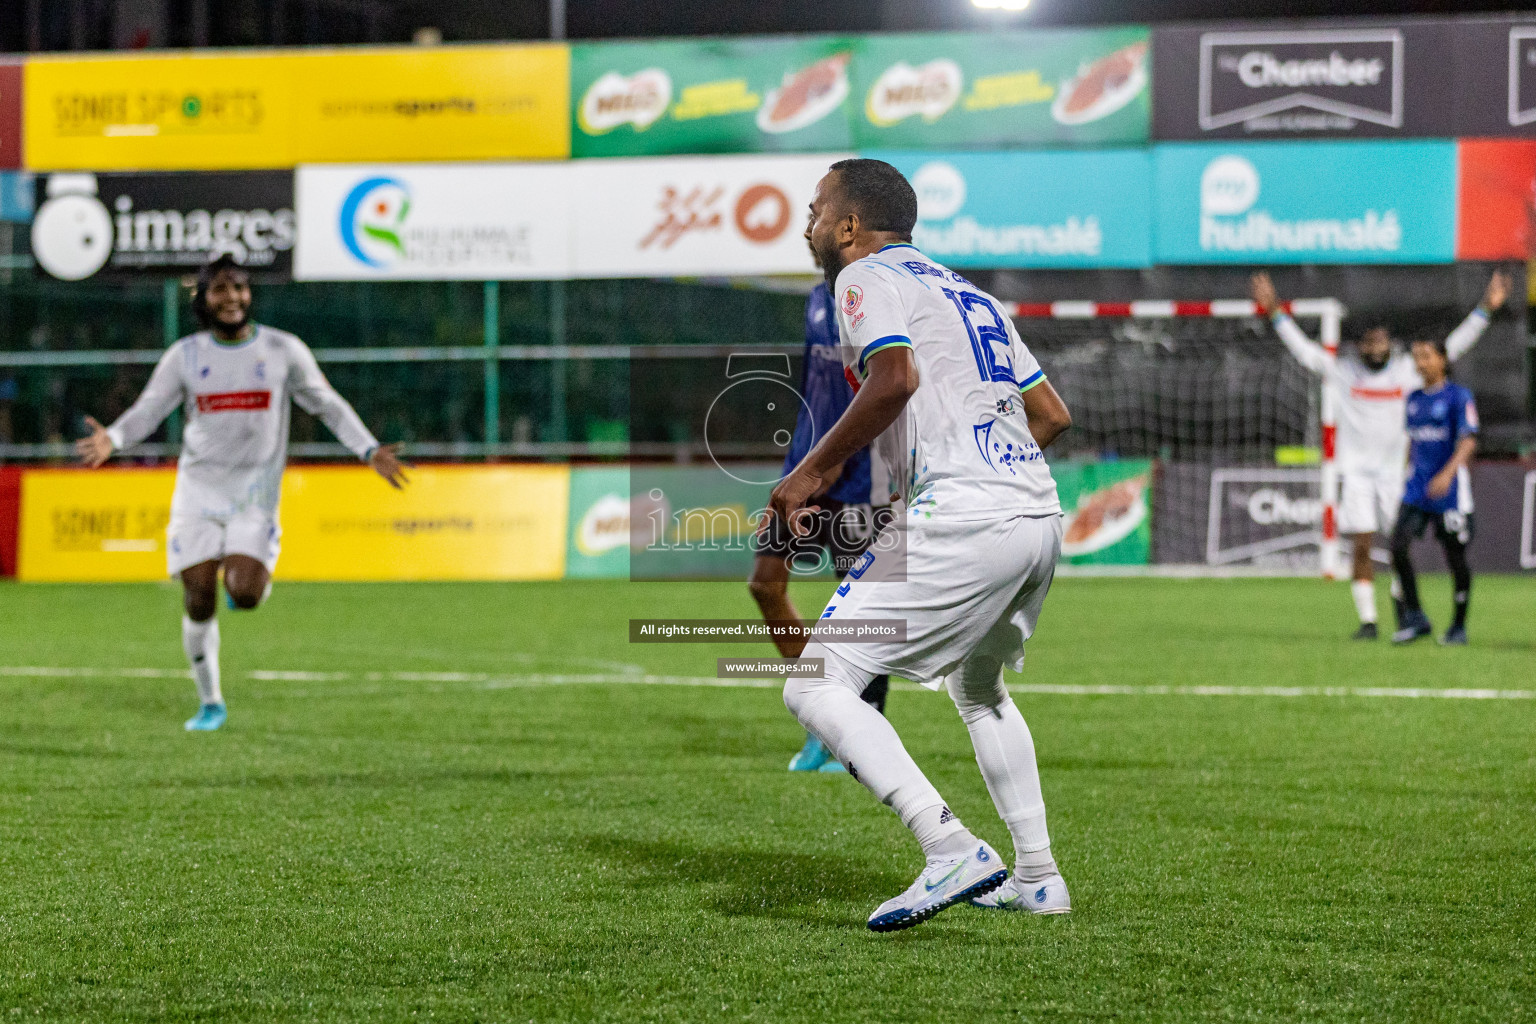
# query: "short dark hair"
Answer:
x=883 y=199
x=205 y=275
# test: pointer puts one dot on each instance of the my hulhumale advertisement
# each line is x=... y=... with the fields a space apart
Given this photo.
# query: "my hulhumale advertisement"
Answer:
x=1321 y=202
x=1031 y=209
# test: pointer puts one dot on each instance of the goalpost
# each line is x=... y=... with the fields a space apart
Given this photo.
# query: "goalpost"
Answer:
x=1228 y=415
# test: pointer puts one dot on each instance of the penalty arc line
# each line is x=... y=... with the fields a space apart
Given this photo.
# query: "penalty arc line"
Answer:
x=499 y=681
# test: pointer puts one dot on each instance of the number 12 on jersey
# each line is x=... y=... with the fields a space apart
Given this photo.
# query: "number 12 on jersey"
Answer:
x=989 y=341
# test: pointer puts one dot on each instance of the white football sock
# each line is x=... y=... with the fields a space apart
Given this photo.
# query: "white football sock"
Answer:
x=939 y=832
x=201 y=642
x=1005 y=753
x=867 y=745
x=1364 y=592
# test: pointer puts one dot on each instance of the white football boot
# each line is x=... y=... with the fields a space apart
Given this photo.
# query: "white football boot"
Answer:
x=944 y=882
x=1047 y=896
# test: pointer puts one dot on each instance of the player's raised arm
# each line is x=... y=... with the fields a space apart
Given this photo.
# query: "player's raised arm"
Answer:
x=1471 y=329
x=160 y=396
x=1302 y=348
x=313 y=393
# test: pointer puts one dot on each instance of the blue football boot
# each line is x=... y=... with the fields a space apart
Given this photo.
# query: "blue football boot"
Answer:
x=208 y=718
x=812 y=756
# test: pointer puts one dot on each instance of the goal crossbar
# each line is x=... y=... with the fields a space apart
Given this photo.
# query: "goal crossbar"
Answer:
x=1322 y=309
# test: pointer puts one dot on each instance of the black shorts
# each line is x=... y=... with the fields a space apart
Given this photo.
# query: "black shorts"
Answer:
x=1451 y=527
x=840 y=531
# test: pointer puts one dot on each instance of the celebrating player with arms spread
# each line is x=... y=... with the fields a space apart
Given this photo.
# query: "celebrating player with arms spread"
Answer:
x=1371 y=388
x=234 y=380
x=962 y=412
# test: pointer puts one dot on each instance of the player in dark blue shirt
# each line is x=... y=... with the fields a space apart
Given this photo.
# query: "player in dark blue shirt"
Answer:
x=847 y=521
x=1442 y=434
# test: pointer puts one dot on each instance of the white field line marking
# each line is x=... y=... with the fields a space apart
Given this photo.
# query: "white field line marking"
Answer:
x=500 y=681
x=48 y=671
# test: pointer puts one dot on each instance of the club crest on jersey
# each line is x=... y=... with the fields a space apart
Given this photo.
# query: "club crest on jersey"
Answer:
x=853 y=298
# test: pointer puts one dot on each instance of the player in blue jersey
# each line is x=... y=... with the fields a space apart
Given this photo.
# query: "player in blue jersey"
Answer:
x=1442 y=432
x=850 y=513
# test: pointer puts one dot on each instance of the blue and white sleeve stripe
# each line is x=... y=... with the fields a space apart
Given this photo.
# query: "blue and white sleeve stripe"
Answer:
x=1031 y=381
x=889 y=341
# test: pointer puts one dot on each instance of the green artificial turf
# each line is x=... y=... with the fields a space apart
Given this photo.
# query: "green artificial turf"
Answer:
x=509 y=845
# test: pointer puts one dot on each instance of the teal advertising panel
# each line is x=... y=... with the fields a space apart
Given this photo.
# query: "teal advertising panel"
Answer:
x=1033 y=208
x=597 y=536
x=765 y=94
x=1306 y=202
x=1106 y=511
x=697 y=522
x=974 y=90
x=16 y=196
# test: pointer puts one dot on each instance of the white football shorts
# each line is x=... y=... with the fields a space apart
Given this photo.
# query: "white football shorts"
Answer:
x=193 y=539
x=969 y=588
x=1368 y=499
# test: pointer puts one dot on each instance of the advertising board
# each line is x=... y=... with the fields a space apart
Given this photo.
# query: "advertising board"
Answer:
x=1031 y=208
x=161 y=223
x=1291 y=202
x=694 y=215
x=339 y=523
x=765 y=94
x=272 y=109
x=980 y=90
x=473 y=222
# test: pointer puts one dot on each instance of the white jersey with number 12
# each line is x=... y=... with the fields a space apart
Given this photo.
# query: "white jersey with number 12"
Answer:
x=961 y=449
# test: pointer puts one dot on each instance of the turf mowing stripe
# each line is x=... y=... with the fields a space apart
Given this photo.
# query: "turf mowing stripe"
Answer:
x=493 y=681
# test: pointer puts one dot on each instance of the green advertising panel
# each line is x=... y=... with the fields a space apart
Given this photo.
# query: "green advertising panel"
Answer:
x=965 y=90
x=597 y=537
x=697 y=522
x=765 y=94
x=1107 y=511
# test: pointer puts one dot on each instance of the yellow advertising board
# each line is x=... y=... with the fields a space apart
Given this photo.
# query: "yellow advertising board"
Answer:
x=187 y=112
x=450 y=523
x=432 y=103
x=96 y=526
x=261 y=109
x=339 y=523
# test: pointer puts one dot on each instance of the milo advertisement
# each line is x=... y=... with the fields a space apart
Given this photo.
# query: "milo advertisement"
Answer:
x=696 y=522
x=967 y=90
x=711 y=96
x=1106 y=511
x=597 y=536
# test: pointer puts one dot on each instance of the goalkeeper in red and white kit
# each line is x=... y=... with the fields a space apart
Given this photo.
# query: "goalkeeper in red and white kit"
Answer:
x=1371 y=387
x=234 y=380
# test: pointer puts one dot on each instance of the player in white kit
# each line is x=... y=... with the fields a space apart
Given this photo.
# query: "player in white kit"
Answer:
x=1370 y=388
x=959 y=411
x=234 y=380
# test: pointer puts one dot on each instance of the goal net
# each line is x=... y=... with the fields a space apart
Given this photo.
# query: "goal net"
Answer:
x=1207 y=391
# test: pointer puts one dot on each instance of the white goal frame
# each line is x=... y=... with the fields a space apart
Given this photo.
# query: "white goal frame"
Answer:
x=1328 y=312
